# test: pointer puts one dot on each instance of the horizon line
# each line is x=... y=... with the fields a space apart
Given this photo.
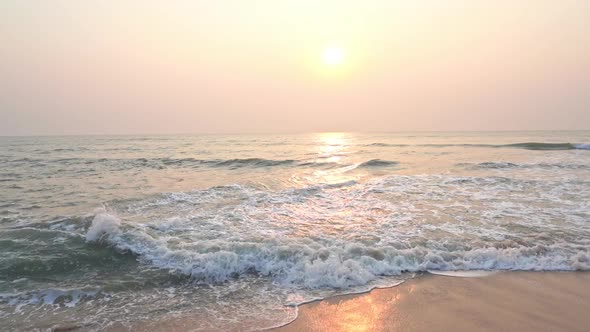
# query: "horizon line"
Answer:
x=292 y=133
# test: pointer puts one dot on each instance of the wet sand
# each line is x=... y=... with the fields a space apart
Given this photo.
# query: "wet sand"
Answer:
x=508 y=301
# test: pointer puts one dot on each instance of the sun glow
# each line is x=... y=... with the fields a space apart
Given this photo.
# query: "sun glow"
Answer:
x=333 y=56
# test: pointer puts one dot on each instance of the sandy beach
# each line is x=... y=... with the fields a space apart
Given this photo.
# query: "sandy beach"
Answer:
x=508 y=301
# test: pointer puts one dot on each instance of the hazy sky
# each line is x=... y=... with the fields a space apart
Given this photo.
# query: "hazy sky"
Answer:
x=180 y=66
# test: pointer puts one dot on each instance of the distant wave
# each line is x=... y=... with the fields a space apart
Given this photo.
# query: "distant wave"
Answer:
x=162 y=163
x=541 y=146
x=491 y=164
x=248 y=162
x=386 y=145
x=170 y=162
x=378 y=163
x=509 y=165
x=526 y=146
x=582 y=146
x=239 y=163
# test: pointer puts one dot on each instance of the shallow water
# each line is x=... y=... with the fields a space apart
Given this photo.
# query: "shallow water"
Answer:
x=235 y=231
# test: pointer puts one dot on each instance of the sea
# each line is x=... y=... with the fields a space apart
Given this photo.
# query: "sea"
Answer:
x=234 y=232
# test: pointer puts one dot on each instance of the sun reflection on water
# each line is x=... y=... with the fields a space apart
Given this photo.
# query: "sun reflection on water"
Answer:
x=333 y=148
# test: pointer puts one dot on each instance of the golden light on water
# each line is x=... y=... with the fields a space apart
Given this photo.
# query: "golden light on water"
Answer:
x=331 y=146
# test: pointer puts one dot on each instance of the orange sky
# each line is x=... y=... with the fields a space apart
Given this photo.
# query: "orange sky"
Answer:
x=128 y=67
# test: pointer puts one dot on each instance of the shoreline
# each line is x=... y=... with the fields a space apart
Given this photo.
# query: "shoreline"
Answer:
x=503 y=301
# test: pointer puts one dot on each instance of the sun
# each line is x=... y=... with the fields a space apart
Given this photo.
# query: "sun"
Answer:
x=333 y=56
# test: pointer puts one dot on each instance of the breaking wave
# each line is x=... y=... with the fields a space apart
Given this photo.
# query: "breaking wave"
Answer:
x=323 y=237
x=313 y=265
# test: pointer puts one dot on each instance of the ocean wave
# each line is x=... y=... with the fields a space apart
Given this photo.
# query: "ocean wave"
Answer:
x=254 y=162
x=509 y=165
x=301 y=262
x=96 y=164
x=526 y=146
x=541 y=146
x=162 y=163
x=378 y=163
x=238 y=163
x=347 y=235
x=43 y=251
x=379 y=144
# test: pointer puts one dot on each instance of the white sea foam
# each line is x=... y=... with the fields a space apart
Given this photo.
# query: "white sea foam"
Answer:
x=50 y=296
x=103 y=223
x=464 y=274
x=312 y=265
x=328 y=237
